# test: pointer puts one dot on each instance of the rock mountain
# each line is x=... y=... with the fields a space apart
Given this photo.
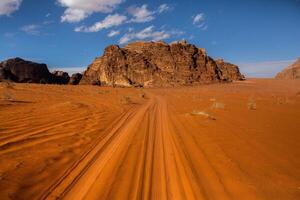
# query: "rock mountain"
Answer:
x=154 y=64
x=22 y=71
x=290 y=72
x=141 y=64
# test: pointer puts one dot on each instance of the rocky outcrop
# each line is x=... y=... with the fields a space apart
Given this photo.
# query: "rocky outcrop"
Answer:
x=290 y=72
x=22 y=71
x=229 y=71
x=149 y=64
x=60 y=77
x=75 y=79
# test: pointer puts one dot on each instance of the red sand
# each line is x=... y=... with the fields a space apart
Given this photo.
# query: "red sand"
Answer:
x=229 y=141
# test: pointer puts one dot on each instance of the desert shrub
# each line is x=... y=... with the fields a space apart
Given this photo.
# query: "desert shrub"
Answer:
x=7 y=90
x=126 y=100
x=143 y=95
x=251 y=104
x=282 y=100
x=103 y=92
x=218 y=105
x=202 y=113
x=8 y=85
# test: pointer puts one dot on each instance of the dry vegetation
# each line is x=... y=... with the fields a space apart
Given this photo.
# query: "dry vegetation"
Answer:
x=7 y=88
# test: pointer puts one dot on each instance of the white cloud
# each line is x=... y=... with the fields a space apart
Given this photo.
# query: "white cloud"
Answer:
x=199 y=21
x=73 y=15
x=9 y=6
x=77 y=10
x=107 y=22
x=163 y=8
x=113 y=33
x=31 y=29
x=140 y=14
x=47 y=22
x=204 y=28
x=69 y=70
x=130 y=29
x=146 y=34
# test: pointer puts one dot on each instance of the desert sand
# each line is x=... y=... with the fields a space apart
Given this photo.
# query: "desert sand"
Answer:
x=221 y=141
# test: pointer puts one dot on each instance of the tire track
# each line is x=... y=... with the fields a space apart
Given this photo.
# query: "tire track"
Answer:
x=138 y=159
x=74 y=173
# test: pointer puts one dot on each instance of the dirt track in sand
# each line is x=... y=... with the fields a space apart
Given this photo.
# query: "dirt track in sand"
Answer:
x=231 y=141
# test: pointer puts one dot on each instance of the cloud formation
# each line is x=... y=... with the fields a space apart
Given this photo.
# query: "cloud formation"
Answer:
x=140 y=14
x=113 y=33
x=199 y=21
x=31 y=29
x=148 y=34
x=108 y=22
x=137 y=15
x=69 y=70
x=163 y=8
x=9 y=6
x=77 y=10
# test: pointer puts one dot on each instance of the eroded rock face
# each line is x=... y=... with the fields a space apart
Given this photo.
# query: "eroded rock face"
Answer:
x=22 y=71
x=291 y=72
x=75 y=79
x=229 y=71
x=149 y=64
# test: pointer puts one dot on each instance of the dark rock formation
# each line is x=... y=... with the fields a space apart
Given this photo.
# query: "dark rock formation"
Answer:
x=150 y=64
x=75 y=79
x=22 y=71
x=290 y=72
x=229 y=71
x=60 y=77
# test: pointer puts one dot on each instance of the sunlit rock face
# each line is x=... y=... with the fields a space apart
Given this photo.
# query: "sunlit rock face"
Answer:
x=290 y=72
x=156 y=64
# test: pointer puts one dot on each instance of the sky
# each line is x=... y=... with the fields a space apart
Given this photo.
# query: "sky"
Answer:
x=260 y=36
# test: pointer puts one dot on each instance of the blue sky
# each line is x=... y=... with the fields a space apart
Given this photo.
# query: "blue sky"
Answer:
x=261 y=36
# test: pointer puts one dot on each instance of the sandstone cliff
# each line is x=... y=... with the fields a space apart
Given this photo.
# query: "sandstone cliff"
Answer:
x=290 y=72
x=229 y=71
x=150 y=64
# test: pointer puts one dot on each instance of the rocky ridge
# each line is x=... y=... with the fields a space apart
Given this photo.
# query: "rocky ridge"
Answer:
x=155 y=64
x=290 y=72
x=23 y=71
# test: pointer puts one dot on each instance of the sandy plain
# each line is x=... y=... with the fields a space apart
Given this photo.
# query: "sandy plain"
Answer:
x=228 y=141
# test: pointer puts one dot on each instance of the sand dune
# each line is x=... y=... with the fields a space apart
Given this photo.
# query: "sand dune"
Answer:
x=229 y=141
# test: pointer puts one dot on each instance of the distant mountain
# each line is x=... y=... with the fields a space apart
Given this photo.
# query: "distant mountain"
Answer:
x=149 y=64
x=290 y=72
x=23 y=71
